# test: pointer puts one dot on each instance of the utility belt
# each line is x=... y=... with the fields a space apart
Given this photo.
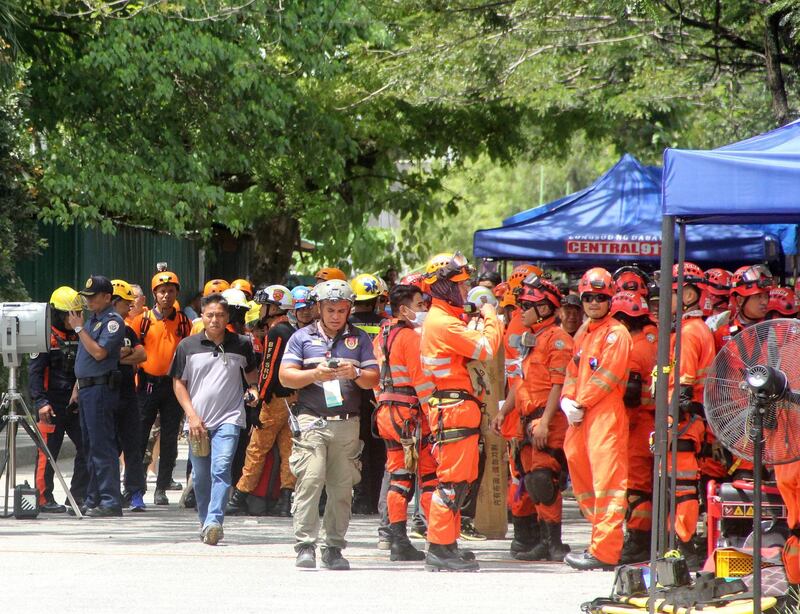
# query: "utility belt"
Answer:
x=452 y=434
x=440 y=397
x=112 y=379
x=155 y=380
x=685 y=445
x=400 y=395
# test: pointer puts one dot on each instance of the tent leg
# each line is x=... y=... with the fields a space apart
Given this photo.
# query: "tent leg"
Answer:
x=659 y=523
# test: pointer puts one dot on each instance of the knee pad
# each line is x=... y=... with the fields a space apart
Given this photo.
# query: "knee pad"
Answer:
x=542 y=486
x=402 y=484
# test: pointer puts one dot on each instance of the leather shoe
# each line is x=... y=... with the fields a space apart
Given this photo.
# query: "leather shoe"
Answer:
x=306 y=557
x=160 y=497
x=51 y=507
x=586 y=561
x=101 y=511
x=173 y=485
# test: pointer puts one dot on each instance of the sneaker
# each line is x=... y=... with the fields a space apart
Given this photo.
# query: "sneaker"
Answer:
x=332 y=559
x=104 y=511
x=469 y=532
x=306 y=557
x=384 y=542
x=137 y=502
x=213 y=534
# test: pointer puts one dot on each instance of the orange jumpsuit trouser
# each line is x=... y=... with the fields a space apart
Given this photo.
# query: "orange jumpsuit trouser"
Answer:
x=597 y=455
x=533 y=458
x=687 y=507
x=640 y=470
x=788 y=477
x=274 y=417
x=401 y=484
x=457 y=469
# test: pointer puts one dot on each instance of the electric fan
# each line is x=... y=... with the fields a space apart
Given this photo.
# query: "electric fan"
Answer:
x=752 y=404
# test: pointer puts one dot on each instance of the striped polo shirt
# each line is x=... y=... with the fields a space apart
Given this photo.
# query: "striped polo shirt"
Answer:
x=310 y=346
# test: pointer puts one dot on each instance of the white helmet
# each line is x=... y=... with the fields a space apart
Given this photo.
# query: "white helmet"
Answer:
x=235 y=298
x=481 y=295
x=333 y=290
x=277 y=295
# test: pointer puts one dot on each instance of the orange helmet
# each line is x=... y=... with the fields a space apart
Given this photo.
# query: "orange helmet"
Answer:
x=596 y=281
x=718 y=282
x=692 y=275
x=522 y=271
x=630 y=303
x=631 y=279
x=164 y=277
x=535 y=289
x=784 y=301
x=501 y=289
x=243 y=285
x=509 y=299
x=413 y=279
x=751 y=280
x=329 y=272
x=215 y=286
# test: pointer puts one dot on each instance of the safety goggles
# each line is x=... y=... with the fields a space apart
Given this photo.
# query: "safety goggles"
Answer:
x=458 y=269
x=597 y=284
x=757 y=275
x=526 y=305
x=588 y=297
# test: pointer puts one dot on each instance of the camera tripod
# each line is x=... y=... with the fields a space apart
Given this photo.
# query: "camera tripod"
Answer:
x=10 y=401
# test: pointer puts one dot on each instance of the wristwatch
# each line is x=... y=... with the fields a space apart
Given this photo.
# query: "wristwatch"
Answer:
x=78 y=329
x=358 y=372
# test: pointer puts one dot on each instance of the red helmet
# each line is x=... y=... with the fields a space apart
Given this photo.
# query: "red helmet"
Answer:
x=784 y=301
x=751 y=280
x=718 y=282
x=692 y=275
x=596 y=281
x=413 y=279
x=501 y=289
x=520 y=272
x=629 y=303
x=631 y=279
x=535 y=289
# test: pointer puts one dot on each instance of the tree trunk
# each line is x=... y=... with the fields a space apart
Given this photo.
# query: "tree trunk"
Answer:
x=775 y=83
x=275 y=242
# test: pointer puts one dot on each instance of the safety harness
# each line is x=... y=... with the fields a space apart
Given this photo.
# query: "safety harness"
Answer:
x=183 y=330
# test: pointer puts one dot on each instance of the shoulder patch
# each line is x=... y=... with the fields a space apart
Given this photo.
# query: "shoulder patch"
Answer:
x=351 y=343
x=612 y=338
x=559 y=344
x=113 y=326
x=97 y=326
x=651 y=337
x=34 y=355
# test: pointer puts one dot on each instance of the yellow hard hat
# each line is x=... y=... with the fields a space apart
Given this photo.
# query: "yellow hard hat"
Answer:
x=253 y=314
x=453 y=267
x=365 y=286
x=123 y=290
x=66 y=299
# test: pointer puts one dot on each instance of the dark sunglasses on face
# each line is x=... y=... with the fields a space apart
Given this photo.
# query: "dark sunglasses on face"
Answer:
x=595 y=298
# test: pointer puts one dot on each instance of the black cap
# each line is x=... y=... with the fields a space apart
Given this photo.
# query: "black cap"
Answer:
x=97 y=284
x=572 y=300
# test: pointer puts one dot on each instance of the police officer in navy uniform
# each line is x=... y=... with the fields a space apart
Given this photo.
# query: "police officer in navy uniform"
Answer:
x=98 y=378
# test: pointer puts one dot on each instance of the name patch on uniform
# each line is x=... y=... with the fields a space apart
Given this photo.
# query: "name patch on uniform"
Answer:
x=97 y=326
x=316 y=342
x=612 y=337
x=351 y=343
x=113 y=326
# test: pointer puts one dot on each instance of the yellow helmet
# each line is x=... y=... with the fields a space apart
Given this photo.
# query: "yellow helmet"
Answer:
x=123 y=290
x=366 y=287
x=66 y=299
x=253 y=314
x=453 y=267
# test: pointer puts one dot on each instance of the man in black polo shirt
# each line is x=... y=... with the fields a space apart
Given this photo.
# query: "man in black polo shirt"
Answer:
x=329 y=363
x=208 y=373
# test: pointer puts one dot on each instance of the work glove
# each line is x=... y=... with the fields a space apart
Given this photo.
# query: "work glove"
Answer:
x=252 y=416
x=572 y=411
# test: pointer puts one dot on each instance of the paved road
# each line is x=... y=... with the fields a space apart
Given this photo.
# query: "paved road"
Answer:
x=155 y=562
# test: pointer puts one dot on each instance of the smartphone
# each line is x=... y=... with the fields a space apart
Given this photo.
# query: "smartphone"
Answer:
x=333 y=363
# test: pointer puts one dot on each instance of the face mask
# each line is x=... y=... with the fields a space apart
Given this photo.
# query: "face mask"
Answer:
x=418 y=319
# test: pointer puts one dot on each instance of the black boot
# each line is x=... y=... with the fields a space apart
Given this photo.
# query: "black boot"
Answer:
x=237 y=506
x=441 y=558
x=526 y=534
x=401 y=548
x=689 y=553
x=462 y=553
x=283 y=507
x=636 y=548
x=556 y=549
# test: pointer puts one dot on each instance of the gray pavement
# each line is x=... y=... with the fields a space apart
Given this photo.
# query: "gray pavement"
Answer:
x=155 y=562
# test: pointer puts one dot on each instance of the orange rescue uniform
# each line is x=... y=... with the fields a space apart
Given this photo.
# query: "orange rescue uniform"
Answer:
x=597 y=447
x=401 y=418
x=455 y=414
x=788 y=477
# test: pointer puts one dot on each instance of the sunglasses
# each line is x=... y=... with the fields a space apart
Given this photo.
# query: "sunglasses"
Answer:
x=595 y=298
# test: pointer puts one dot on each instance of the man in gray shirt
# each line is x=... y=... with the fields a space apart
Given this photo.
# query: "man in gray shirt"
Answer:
x=208 y=374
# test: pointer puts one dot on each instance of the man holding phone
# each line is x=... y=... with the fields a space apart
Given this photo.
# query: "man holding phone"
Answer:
x=329 y=363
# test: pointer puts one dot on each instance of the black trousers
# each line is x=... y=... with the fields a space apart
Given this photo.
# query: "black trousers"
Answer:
x=156 y=398
x=129 y=439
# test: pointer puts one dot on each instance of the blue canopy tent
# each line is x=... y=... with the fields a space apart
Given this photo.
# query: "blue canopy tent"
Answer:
x=617 y=218
x=756 y=180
